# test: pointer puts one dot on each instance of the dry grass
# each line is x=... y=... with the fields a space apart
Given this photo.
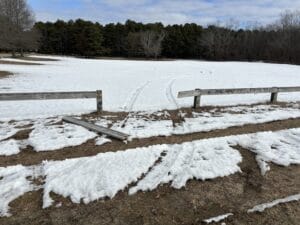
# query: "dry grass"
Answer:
x=19 y=63
x=28 y=58
x=4 y=74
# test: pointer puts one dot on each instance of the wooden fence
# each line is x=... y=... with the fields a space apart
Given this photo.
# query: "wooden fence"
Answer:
x=197 y=93
x=54 y=95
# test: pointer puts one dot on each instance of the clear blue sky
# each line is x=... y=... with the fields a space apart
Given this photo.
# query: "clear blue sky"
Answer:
x=167 y=11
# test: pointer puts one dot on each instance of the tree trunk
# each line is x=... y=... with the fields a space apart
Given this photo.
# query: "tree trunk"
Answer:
x=13 y=54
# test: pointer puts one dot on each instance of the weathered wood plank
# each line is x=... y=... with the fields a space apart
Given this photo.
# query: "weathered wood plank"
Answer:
x=274 y=97
x=288 y=89
x=197 y=100
x=96 y=128
x=99 y=101
x=193 y=93
x=237 y=91
x=46 y=95
x=184 y=94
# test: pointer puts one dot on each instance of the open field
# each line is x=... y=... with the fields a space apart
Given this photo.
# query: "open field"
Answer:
x=139 y=85
x=178 y=166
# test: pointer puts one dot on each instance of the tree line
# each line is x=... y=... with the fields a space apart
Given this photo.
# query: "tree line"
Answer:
x=277 y=42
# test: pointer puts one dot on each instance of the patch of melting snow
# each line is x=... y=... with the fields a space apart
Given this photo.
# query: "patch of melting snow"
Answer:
x=281 y=147
x=14 y=183
x=47 y=138
x=9 y=147
x=104 y=175
x=100 y=176
x=262 y=207
x=138 y=126
x=202 y=160
x=48 y=134
x=217 y=219
x=102 y=140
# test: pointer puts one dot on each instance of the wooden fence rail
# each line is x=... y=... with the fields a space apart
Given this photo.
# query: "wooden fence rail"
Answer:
x=54 y=95
x=197 y=93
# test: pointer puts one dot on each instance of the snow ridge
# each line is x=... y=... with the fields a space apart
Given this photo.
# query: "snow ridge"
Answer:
x=262 y=207
x=217 y=218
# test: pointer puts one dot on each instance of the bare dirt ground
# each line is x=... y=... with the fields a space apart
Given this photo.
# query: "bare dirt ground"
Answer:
x=199 y=200
x=30 y=60
x=19 y=63
x=4 y=74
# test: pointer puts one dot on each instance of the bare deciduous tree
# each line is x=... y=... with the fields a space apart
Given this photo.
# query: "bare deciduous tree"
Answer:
x=285 y=44
x=17 y=21
x=152 y=42
x=145 y=43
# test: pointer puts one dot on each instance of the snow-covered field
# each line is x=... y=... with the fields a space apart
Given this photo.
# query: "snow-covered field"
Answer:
x=138 y=85
x=148 y=88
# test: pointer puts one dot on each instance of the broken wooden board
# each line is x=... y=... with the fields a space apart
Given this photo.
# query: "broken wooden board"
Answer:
x=96 y=128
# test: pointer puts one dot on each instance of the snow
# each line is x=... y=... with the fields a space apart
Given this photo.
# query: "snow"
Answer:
x=13 y=184
x=7 y=130
x=47 y=138
x=202 y=160
x=142 y=169
x=144 y=128
x=46 y=135
x=281 y=148
x=102 y=140
x=104 y=175
x=262 y=207
x=9 y=147
x=51 y=134
x=138 y=85
x=218 y=218
x=139 y=125
x=150 y=87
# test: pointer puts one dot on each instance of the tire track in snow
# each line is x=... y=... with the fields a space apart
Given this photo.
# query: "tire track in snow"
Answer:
x=132 y=100
x=134 y=96
x=169 y=94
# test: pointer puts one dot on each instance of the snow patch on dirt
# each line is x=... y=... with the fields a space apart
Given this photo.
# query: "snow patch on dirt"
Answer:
x=262 y=207
x=104 y=175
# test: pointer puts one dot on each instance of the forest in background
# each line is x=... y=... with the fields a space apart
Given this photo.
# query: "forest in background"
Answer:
x=277 y=42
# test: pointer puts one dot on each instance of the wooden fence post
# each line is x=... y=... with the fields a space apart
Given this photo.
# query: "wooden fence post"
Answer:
x=99 y=100
x=274 y=96
x=197 y=100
